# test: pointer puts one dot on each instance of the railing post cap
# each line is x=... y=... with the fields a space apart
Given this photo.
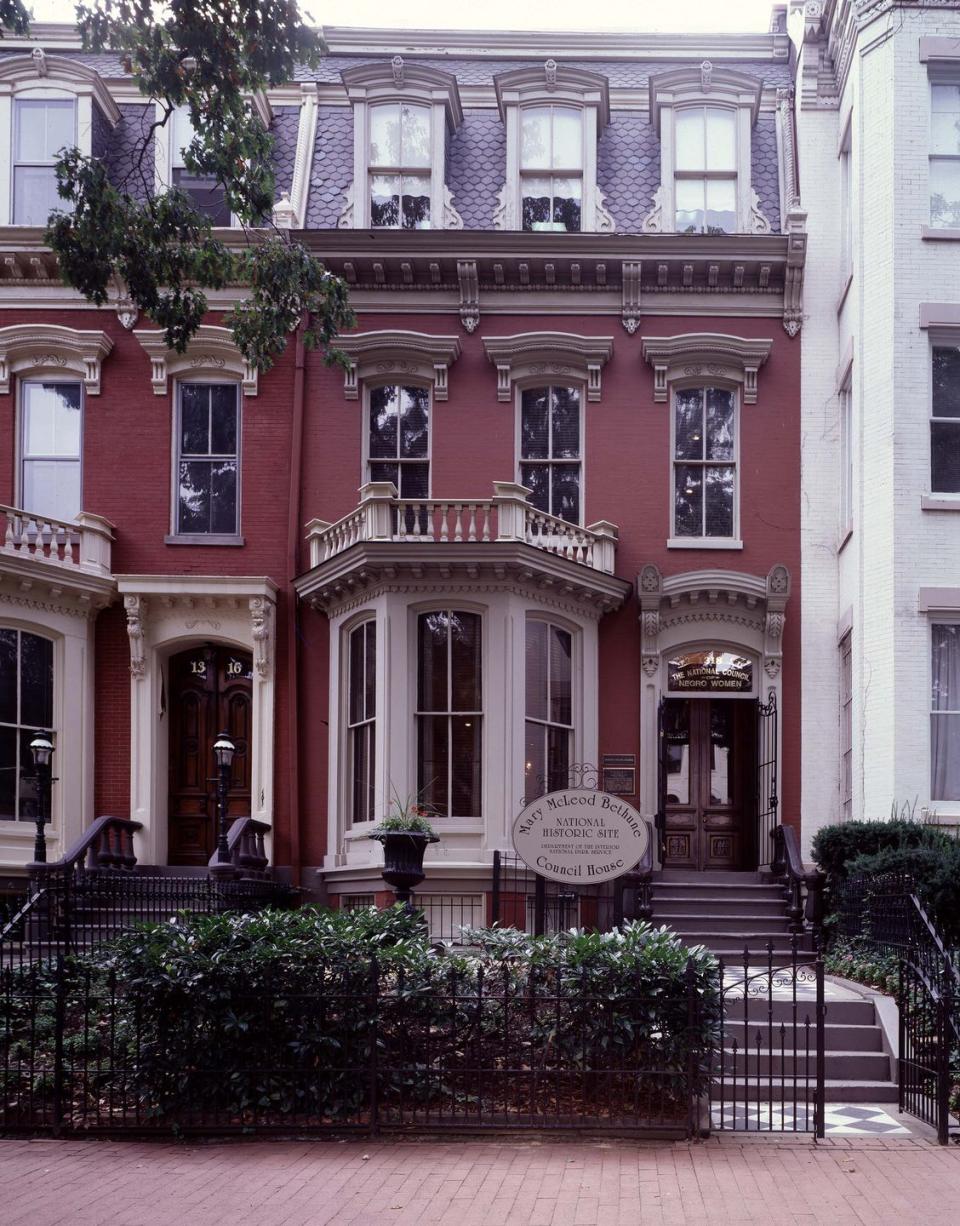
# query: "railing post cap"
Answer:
x=510 y=489
x=97 y=523
x=371 y=490
x=603 y=527
x=314 y=527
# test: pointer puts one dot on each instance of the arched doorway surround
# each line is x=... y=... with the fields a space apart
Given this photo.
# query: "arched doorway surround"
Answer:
x=738 y=614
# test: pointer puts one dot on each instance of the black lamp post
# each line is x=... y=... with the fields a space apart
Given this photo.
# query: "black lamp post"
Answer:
x=41 y=747
x=223 y=751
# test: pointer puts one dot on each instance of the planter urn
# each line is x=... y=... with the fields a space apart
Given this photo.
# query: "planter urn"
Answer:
x=403 y=859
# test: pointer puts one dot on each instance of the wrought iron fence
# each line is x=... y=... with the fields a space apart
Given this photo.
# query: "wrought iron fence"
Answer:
x=523 y=899
x=83 y=1051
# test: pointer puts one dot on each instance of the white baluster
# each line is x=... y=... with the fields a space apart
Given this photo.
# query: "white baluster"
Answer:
x=458 y=521
x=444 y=511
x=472 y=530
x=485 y=517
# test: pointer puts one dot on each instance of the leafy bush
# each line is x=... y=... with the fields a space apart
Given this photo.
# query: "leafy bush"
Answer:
x=835 y=847
x=248 y=1019
x=860 y=962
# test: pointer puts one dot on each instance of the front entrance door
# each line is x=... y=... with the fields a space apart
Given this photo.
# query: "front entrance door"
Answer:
x=708 y=756
x=210 y=691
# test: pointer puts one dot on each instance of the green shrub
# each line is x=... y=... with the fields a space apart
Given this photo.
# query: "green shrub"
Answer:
x=859 y=961
x=835 y=847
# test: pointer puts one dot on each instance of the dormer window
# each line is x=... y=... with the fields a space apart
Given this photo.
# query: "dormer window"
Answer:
x=706 y=170
x=47 y=104
x=551 y=168
x=42 y=127
x=553 y=116
x=705 y=117
x=205 y=194
x=400 y=158
x=401 y=116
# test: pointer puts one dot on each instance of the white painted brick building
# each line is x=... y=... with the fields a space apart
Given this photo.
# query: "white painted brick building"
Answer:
x=882 y=288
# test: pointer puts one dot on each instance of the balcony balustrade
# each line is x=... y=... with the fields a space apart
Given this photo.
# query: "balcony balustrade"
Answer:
x=508 y=516
x=82 y=547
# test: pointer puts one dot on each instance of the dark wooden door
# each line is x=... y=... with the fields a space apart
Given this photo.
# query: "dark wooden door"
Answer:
x=210 y=690
x=707 y=767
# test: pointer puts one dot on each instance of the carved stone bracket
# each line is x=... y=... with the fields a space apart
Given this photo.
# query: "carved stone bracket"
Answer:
x=397 y=352
x=211 y=349
x=548 y=356
x=135 y=608
x=469 y=293
x=653 y=222
x=758 y=222
x=650 y=593
x=260 y=612
x=778 y=592
x=793 y=280
x=631 y=270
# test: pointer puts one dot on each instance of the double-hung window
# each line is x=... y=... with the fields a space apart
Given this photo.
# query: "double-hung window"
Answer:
x=26 y=705
x=706 y=170
x=945 y=156
x=208 y=460
x=945 y=421
x=550 y=449
x=449 y=712
x=399 y=162
x=704 y=462
x=549 y=709
x=551 y=167
x=205 y=193
x=361 y=720
x=41 y=128
x=945 y=713
x=50 y=434
x=398 y=440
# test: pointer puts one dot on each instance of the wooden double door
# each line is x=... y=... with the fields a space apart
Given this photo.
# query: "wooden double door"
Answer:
x=210 y=690
x=708 y=770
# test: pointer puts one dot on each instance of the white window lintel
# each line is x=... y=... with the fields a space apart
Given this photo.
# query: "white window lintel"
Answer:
x=397 y=354
x=212 y=350
x=703 y=356
x=550 y=357
x=52 y=349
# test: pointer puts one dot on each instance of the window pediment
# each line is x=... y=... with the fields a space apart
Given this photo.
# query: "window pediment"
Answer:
x=704 y=84
x=52 y=349
x=553 y=82
x=705 y=355
x=393 y=353
x=550 y=356
x=212 y=350
x=406 y=83
x=52 y=73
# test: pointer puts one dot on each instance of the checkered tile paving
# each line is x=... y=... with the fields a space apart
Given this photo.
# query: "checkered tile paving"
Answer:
x=841 y=1121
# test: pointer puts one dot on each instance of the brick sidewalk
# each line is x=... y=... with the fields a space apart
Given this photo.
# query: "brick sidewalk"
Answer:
x=471 y=1183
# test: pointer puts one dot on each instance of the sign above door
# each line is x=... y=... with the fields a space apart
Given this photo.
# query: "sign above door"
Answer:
x=710 y=672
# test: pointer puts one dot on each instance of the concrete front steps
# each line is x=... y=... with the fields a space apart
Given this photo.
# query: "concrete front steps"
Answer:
x=742 y=918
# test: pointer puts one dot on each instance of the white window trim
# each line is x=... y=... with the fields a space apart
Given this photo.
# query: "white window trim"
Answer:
x=534 y=381
x=942 y=69
x=706 y=356
x=368 y=617
x=554 y=84
x=941 y=322
x=398 y=381
x=18 y=481
x=33 y=350
x=943 y=610
x=399 y=82
x=211 y=350
x=392 y=355
x=706 y=542
x=700 y=86
x=202 y=538
x=845 y=159
x=577 y=676
x=528 y=358
x=39 y=76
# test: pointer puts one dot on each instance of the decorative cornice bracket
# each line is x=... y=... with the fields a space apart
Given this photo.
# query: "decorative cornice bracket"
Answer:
x=469 y=294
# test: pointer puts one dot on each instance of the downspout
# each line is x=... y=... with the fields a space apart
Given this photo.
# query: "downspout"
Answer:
x=290 y=596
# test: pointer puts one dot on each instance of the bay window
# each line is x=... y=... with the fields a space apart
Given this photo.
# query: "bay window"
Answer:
x=361 y=720
x=549 y=729
x=551 y=167
x=207 y=460
x=50 y=435
x=550 y=460
x=945 y=713
x=400 y=158
x=26 y=706
x=945 y=421
x=945 y=156
x=449 y=712
x=704 y=462
x=41 y=128
x=706 y=170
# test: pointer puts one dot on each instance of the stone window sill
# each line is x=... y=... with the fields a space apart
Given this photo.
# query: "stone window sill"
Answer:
x=703 y=542
x=940 y=502
x=940 y=236
x=203 y=538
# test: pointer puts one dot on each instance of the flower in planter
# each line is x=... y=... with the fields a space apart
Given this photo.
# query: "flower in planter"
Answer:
x=406 y=817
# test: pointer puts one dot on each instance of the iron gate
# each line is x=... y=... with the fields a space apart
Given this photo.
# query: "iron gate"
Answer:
x=767 y=799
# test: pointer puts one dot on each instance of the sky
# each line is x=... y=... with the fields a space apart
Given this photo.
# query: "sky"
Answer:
x=668 y=16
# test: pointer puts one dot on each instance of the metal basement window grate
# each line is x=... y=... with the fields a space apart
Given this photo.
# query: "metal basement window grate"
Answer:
x=446 y=914
x=357 y=902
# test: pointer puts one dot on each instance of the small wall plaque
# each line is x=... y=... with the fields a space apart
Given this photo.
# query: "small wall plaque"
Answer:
x=620 y=773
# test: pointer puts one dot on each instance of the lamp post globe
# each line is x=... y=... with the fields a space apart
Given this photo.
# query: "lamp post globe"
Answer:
x=223 y=752
x=42 y=749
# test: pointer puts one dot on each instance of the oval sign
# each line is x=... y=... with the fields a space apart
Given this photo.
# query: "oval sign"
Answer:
x=580 y=836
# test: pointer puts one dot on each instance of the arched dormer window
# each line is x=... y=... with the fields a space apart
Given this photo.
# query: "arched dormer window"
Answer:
x=47 y=103
x=401 y=116
x=704 y=117
x=553 y=117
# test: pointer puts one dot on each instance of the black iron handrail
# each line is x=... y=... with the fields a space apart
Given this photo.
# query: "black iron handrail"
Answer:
x=245 y=842
x=805 y=909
